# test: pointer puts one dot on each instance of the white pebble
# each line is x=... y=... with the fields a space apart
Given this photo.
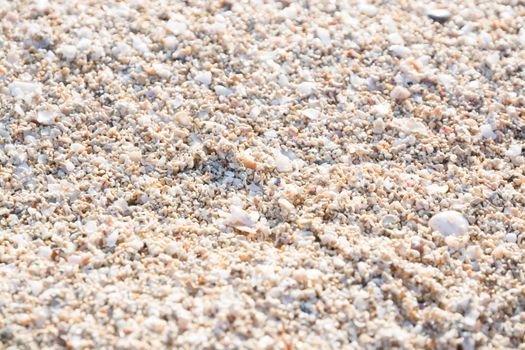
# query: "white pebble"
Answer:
x=36 y=287
x=162 y=70
x=473 y=252
x=311 y=113
x=239 y=217
x=435 y=189
x=45 y=117
x=324 y=36
x=204 y=78
x=368 y=9
x=90 y=226
x=45 y=252
x=399 y=50
x=378 y=126
x=449 y=222
x=286 y=205
x=446 y=80
x=112 y=239
x=399 y=94
x=283 y=163
x=439 y=15
x=68 y=51
x=514 y=150
x=222 y=90
x=395 y=39
x=306 y=88
x=511 y=237
x=381 y=110
x=77 y=147
x=25 y=89
x=170 y=42
x=487 y=132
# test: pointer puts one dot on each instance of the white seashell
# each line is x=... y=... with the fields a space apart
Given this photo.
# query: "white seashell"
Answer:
x=449 y=222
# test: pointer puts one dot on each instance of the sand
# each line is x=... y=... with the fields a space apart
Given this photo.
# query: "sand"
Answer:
x=262 y=175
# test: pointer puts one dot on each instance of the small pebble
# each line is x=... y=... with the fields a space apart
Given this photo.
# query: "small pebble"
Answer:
x=487 y=131
x=222 y=90
x=203 y=78
x=449 y=222
x=439 y=15
x=45 y=117
x=399 y=94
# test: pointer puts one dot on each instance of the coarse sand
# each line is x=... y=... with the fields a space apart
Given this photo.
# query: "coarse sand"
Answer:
x=324 y=174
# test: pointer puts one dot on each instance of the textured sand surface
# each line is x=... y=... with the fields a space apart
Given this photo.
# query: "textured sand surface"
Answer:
x=262 y=174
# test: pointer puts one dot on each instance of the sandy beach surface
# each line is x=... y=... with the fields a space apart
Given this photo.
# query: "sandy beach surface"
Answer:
x=262 y=174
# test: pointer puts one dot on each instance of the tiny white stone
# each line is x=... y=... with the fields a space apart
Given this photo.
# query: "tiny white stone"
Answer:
x=204 y=78
x=176 y=27
x=74 y=259
x=446 y=80
x=381 y=110
x=91 y=226
x=69 y=165
x=511 y=237
x=111 y=240
x=473 y=252
x=409 y=125
x=449 y=222
x=306 y=88
x=68 y=51
x=45 y=117
x=434 y=188
x=239 y=217
x=77 y=147
x=311 y=113
x=368 y=9
x=324 y=36
x=45 y=252
x=514 y=150
x=395 y=39
x=36 y=287
x=283 y=163
x=487 y=132
x=286 y=205
x=139 y=45
x=135 y=155
x=400 y=94
x=222 y=90
x=439 y=15
x=378 y=126
x=170 y=42
x=399 y=50
x=25 y=89
x=162 y=70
